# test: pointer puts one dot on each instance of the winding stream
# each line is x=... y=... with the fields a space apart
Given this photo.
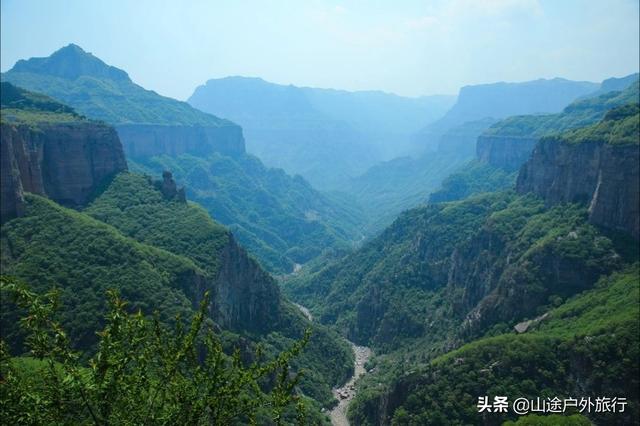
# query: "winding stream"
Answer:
x=347 y=392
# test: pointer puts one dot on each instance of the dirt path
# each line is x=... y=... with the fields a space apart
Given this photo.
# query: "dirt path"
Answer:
x=347 y=392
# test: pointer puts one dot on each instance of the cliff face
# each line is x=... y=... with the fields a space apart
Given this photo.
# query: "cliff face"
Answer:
x=506 y=153
x=143 y=141
x=603 y=176
x=246 y=297
x=65 y=162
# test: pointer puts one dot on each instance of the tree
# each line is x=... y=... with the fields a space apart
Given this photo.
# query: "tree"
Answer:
x=142 y=372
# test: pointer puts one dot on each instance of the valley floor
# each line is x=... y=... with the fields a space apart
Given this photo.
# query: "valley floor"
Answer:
x=347 y=392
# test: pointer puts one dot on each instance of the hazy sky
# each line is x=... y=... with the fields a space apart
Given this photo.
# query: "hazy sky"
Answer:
x=406 y=47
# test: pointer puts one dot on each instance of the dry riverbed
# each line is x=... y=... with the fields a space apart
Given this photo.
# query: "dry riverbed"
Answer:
x=347 y=392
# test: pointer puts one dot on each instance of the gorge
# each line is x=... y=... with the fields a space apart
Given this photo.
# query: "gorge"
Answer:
x=484 y=244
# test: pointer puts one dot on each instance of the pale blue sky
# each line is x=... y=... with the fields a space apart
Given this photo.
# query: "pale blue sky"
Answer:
x=407 y=47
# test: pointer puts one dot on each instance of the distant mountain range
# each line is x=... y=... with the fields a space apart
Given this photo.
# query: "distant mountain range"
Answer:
x=325 y=135
x=450 y=142
x=501 y=100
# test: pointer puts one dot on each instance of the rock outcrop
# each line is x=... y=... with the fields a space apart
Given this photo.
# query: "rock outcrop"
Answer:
x=65 y=162
x=603 y=176
x=169 y=189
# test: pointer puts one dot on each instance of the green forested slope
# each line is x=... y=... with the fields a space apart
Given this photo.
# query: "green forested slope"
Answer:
x=56 y=247
x=103 y=92
x=160 y=254
x=137 y=209
x=474 y=178
x=586 y=347
x=281 y=219
x=480 y=257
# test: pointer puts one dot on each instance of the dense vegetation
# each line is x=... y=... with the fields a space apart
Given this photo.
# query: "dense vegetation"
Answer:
x=137 y=209
x=586 y=347
x=169 y=249
x=620 y=126
x=474 y=178
x=99 y=91
x=141 y=373
x=20 y=106
x=450 y=273
x=444 y=262
x=56 y=247
x=280 y=219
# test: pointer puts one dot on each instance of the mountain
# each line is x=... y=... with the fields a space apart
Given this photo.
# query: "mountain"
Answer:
x=586 y=346
x=324 y=135
x=140 y=237
x=443 y=294
x=505 y=146
x=449 y=143
x=616 y=84
x=508 y=143
x=281 y=219
x=501 y=100
x=101 y=91
x=50 y=150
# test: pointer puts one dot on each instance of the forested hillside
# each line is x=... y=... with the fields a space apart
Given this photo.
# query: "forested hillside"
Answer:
x=281 y=219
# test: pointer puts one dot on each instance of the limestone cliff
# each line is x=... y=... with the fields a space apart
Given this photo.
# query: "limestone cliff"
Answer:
x=246 y=297
x=147 y=140
x=506 y=153
x=602 y=175
x=66 y=162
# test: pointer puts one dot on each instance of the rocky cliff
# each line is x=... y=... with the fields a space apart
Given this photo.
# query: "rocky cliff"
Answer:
x=506 y=153
x=144 y=141
x=65 y=162
x=603 y=176
x=246 y=297
x=598 y=166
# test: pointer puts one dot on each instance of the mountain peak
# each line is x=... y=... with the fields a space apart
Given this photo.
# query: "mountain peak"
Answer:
x=71 y=62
